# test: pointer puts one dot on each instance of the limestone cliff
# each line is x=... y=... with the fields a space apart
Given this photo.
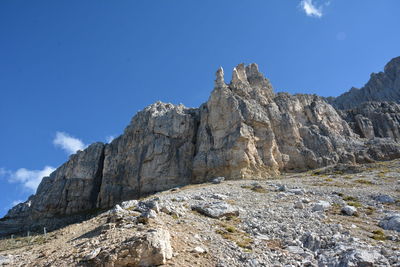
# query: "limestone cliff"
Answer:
x=244 y=130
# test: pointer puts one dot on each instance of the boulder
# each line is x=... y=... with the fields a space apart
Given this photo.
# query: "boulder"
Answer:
x=151 y=248
x=321 y=206
x=384 y=199
x=349 y=210
x=391 y=222
x=216 y=209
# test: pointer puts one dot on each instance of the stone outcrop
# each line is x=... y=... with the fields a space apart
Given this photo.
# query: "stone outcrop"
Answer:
x=382 y=86
x=244 y=130
x=155 y=153
x=375 y=119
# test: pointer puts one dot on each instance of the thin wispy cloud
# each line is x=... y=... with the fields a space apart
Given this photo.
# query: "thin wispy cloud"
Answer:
x=3 y=172
x=109 y=138
x=312 y=9
x=29 y=179
x=68 y=143
x=16 y=202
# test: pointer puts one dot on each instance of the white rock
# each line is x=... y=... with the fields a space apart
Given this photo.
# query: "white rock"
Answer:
x=321 y=206
x=349 y=210
x=199 y=250
x=92 y=254
x=129 y=204
x=216 y=209
x=219 y=196
x=299 y=205
x=217 y=180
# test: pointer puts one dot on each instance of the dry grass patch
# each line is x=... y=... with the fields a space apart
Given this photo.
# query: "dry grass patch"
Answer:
x=19 y=242
x=350 y=198
x=364 y=182
x=378 y=235
x=229 y=231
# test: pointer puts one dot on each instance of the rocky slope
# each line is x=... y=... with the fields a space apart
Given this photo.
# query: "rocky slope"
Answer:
x=346 y=215
x=244 y=131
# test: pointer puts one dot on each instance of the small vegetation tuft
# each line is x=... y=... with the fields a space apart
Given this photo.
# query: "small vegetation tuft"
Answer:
x=350 y=198
x=365 y=182
x=354 y=204
x=378 y=235
x=229 y=231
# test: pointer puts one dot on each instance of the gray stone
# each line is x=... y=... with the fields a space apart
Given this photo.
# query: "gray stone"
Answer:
x=391 y=222
x=218 y=180
x=296 y=191
x=93 y=254
x=216 y=209
x=321 y=206
x=129 y=204
x=384 y=199
x=299 y=205
x=151 y=248
x=360 y=257
x=218 y=196
x=349 y=210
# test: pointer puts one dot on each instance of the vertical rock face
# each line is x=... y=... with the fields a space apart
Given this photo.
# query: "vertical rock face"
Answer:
x=155 y=153
x=375 y=119
x=248 y=131
x=74 y=186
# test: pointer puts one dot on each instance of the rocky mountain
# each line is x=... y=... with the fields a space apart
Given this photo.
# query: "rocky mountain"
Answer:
x=382 y=86
x=344 y=215
x=243 y=131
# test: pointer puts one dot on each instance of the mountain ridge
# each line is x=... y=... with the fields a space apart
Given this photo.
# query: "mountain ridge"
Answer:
x=243 y=131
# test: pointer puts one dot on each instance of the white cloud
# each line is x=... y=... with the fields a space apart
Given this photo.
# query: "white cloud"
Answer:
x=3 y=172
x=109 y=138
x=312 y=9
x=30 y=179
x=16 y=202
x=68 y=143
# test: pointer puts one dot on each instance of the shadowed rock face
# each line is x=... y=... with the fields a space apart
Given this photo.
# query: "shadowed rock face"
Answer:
x=155 y=153
x=382 y=86
x=244 y=130
x=375 y=119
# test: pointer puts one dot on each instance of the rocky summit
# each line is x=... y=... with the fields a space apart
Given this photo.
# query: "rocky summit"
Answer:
x=244 y=131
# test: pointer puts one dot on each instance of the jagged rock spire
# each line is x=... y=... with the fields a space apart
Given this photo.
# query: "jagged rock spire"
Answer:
x=219 y=79
x=250 y=77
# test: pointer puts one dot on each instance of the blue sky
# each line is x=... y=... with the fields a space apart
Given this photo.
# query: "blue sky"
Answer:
x=75 y=72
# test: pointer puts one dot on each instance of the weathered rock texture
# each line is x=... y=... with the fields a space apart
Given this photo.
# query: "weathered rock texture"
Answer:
x=244 y=130
x=382 y=86
x=155 y=153
x=375 y=119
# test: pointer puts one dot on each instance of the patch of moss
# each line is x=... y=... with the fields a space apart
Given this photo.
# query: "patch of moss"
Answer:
x=350 y=198
x=230 y=232
x=354 y=204
x=245 y=243
x=378 y=235
x=365 y=182
x=369 y=210
x=259 y=189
